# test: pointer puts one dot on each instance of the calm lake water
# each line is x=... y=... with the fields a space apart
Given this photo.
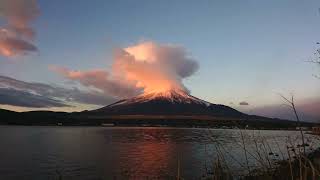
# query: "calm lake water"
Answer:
x=38 y=153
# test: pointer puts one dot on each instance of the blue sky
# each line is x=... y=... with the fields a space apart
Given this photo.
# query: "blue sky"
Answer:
x=247 y=50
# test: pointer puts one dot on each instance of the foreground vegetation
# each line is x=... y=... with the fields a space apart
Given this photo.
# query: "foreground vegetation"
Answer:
x=301 y=160
x=264 y=162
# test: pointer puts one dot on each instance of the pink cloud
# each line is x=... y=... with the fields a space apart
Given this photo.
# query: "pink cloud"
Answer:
x=145 y=67
x=100 y=80
x=17 y=34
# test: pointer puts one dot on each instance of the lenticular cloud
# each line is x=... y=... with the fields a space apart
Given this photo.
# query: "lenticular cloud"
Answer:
x=141 y=68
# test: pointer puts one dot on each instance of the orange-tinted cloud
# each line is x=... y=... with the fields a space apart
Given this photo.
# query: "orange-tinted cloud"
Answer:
x=17 y=34
x=100 y=80
x=154 y=67
x=12 y=46
x=147 y=66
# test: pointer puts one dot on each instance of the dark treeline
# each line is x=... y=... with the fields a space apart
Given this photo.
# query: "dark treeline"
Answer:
x=91 y=119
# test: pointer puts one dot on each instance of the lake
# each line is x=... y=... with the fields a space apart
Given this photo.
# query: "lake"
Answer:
x=43 y=152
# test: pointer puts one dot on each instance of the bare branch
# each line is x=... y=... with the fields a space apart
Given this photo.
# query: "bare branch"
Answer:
x=292 y=105
x=285 y=99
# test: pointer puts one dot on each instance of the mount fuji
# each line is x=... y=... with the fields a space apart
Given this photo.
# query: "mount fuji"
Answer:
x=171 y=102
x=172 y=108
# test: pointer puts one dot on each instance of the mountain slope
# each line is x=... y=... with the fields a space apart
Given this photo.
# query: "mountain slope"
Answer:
x=173 y=102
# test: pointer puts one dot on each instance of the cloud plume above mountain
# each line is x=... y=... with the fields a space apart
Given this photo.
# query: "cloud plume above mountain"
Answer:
x=141 y=68
x=155 y=67
x=17 y=33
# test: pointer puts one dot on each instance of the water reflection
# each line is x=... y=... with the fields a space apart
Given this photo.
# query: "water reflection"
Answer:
x=116 y=153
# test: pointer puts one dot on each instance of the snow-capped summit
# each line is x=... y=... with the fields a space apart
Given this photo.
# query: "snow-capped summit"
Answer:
x=174 y=96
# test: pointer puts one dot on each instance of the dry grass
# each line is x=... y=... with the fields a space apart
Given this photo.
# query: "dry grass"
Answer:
x=270 y=163
x=293 y=164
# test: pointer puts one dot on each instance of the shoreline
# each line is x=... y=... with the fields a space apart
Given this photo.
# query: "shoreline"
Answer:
x=307 y=131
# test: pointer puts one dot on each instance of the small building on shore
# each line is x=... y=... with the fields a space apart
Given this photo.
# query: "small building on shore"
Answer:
x=316 y=130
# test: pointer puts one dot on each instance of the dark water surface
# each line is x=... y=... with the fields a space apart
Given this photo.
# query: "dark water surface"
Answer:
x=39 y=153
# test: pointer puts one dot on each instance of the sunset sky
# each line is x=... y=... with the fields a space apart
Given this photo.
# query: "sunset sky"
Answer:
x=238 y=53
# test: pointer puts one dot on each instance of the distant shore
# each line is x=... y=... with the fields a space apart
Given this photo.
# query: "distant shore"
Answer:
x=308 y=131
x=49 y=118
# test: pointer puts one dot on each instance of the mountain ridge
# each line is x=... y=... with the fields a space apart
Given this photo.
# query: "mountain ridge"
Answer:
x=173 y=102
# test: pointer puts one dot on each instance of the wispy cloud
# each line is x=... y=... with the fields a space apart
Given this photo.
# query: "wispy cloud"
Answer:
x=28 y=94
x=100 y=80
x=25 y=99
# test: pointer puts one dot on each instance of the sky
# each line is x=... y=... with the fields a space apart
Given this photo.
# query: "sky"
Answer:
x=244 y=53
